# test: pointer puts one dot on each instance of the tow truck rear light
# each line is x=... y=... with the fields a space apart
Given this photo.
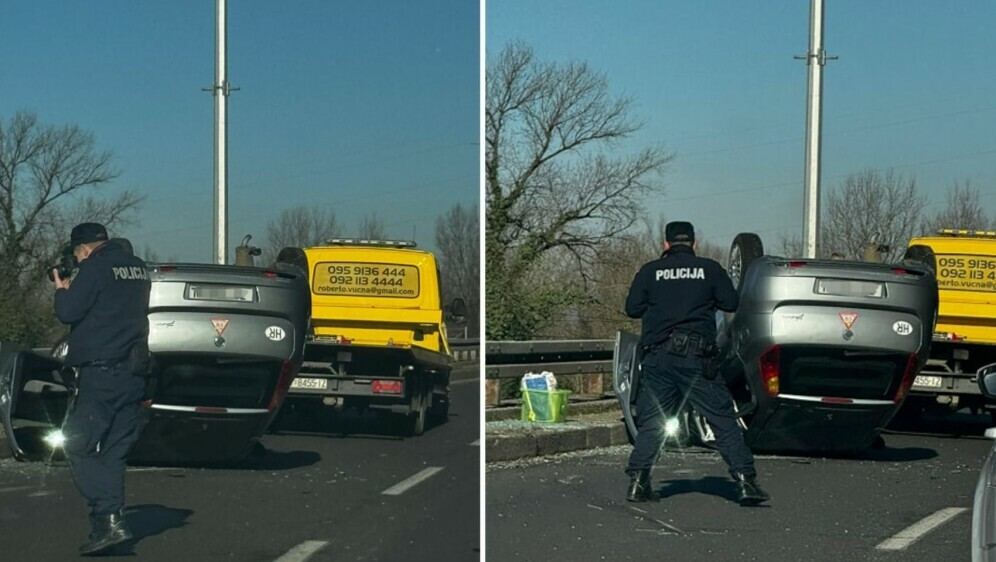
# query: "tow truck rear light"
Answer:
x=387 y=387
x=770 y=362
x=909 y=375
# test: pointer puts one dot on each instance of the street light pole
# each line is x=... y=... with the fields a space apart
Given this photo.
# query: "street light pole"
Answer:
x=220 y=90
x=815 y=58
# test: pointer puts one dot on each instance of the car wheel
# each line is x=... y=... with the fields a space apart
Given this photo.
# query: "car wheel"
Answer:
x=292 y=256
x=921 y=255
x=746 y=248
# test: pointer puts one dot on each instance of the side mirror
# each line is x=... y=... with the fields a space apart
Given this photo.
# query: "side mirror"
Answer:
x=458 y=309
x=987 y=381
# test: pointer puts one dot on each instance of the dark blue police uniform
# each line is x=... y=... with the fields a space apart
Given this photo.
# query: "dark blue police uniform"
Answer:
x=107 y=306
x=676 y=297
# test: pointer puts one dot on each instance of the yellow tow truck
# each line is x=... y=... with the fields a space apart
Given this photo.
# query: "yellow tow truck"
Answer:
x=965 y=330
x=378 y=337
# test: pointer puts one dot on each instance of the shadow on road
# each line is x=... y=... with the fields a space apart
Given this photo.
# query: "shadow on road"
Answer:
x=268 y=459
x=149 y=520
x=348 y=424
x=710 y=485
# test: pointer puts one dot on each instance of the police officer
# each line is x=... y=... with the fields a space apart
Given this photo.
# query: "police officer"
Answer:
x=106 y=307
x=676 y=297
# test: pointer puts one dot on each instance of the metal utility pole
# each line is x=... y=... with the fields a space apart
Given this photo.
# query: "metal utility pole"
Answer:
x=816 y=58
x=220 y=91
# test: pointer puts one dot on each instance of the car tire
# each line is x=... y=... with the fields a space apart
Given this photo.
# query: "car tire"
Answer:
x=292 y=257
x=922 y=255
x=746 y=248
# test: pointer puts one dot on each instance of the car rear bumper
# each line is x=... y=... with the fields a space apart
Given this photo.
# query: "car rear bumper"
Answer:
x=804 y=423
x=189 y=435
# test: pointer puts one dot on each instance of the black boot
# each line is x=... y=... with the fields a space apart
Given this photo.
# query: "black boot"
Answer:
x=108 y=530
x=641 y=489
x=748 y=492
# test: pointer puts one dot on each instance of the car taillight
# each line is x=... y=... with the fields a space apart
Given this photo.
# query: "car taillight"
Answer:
x=387 y=387
x=770 y=362
x=796 y=263
x=283 y=383
x=909 y=375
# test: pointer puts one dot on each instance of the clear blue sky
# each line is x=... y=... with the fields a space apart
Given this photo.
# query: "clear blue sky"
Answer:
x=360 y=107
x=715 y=81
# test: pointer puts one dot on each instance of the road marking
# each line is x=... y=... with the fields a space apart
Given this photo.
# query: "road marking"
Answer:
x=476 y=443
x=405 y=485
x=17 y=489
x=464 y=381
x=302 y=552
x=916 y=531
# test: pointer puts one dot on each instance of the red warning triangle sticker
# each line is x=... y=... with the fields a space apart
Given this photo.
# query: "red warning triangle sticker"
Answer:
x=848 y=318
x=219 y=325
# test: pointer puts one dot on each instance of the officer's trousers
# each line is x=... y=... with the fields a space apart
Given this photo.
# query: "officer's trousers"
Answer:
x=666 y=383
x=100 y=431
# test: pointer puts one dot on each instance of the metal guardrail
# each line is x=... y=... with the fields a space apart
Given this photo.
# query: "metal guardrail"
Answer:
x=584 y=364
x=465 y=349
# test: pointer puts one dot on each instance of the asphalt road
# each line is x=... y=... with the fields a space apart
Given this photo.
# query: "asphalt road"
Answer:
x=572 y=507
x=354 y=491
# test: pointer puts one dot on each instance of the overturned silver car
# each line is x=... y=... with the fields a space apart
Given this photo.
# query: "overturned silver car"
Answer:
x=226 y=342
x=820 y=354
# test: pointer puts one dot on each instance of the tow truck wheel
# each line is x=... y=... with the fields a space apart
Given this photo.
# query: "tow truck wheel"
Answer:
x=416 y=418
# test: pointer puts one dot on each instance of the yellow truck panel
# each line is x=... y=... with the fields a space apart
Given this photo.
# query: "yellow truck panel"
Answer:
x=965 y=331
x=378 y=337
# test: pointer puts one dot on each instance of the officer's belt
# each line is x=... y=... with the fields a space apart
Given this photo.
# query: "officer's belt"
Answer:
x=683 y=343
x=102 y=362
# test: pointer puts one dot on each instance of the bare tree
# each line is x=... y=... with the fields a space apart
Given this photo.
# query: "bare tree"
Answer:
x=47 y=176
x=872 y=207
x=300 y=226
x=458 y=239
x=548 y=185
x=962 y=211
x=372 y=228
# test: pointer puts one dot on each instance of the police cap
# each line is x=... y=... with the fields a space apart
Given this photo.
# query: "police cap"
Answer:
x=679 y=231
x=87 y=232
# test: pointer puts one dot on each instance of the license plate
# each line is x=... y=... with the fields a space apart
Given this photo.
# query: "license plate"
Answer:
x=321 y=384
x=927 y=381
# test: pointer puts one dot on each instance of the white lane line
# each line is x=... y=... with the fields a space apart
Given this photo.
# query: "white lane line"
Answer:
x=916 y=531
x=405 y=485
x=302 y=552
x=17 y=489
x=464 y=381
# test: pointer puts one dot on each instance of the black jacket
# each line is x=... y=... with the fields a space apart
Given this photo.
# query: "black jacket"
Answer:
x=680 y=290
x=106 y=305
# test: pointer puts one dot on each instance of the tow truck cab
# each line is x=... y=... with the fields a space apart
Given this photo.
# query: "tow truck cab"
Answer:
x=964 y=338
x=377 y=337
